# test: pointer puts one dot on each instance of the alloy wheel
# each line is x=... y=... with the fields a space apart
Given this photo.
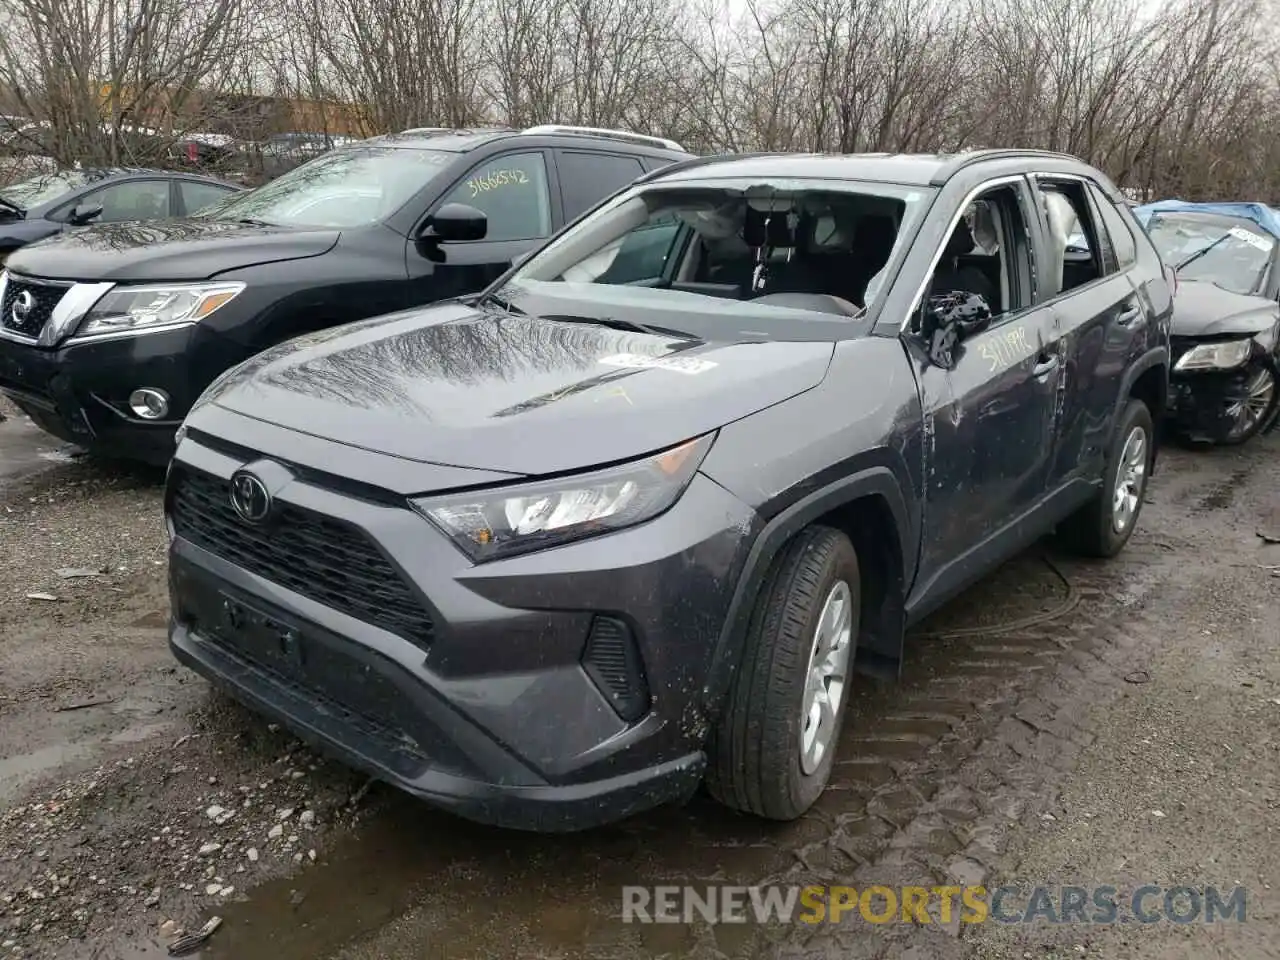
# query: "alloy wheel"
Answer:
x=826 y=677
x=1259 y=394
x=1131 y=480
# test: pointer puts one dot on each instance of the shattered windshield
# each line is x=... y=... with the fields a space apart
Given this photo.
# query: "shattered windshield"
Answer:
x=1232 y=252
x=780 y=249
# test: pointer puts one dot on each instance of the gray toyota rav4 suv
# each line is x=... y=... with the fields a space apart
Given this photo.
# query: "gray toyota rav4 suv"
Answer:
x=627 y=521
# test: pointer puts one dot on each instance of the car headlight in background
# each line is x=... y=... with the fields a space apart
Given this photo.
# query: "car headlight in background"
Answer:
x=1215 y=356
x=503 y=522
x=145 y=309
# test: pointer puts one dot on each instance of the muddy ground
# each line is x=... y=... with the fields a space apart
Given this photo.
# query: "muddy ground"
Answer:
x=1063 y=723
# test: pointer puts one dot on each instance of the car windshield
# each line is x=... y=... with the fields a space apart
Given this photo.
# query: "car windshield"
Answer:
x=789 y=251
x=352 y=187
x=1232 y=252
x=43 y=188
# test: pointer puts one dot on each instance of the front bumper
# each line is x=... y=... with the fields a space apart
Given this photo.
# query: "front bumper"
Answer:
x=498 y=710
x=79 y=392
x=1201 y=402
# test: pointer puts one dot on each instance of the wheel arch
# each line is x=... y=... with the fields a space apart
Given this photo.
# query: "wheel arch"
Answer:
x=867 y=506
x=1146 y=380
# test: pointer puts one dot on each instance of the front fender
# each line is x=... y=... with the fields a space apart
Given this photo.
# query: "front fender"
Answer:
x=872 y=482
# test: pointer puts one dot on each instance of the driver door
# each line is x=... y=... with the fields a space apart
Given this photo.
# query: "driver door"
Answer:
x=512 y=190
x=993 y=415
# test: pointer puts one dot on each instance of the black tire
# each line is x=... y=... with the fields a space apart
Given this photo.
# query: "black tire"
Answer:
x=1090 y=531
x=754 y=762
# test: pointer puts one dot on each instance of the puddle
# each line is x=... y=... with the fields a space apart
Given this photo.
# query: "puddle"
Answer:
x=25 y=767
x=458 y=889
x=25 y=449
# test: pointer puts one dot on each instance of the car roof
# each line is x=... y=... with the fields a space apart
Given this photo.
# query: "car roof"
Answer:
x=100 y=174
x=907 y=169
x=464 y=140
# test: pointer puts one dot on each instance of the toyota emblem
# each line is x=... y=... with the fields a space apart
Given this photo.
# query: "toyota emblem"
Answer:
x=23 y=304
x=249 y=497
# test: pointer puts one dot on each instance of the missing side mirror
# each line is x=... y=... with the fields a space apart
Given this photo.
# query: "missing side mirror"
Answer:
x=948 y=320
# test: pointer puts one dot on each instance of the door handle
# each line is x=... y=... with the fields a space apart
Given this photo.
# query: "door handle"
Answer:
x=1128 y=317
x=1045 y=365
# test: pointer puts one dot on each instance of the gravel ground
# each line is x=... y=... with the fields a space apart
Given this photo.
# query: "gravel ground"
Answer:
x=134 y=801
x=129 y=795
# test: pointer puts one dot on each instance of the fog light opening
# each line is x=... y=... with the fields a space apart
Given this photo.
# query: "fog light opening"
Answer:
x=149 y=404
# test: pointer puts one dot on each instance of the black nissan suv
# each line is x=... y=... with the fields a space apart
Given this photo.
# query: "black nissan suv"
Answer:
x=627 y=521
x=109 y=333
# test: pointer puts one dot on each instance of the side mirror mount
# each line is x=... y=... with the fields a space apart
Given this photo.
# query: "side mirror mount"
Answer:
x=455 y=222
x=520 y=258
x=949 y=319
x=81 y=215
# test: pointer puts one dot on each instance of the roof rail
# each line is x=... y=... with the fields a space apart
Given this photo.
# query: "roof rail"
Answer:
x=422 y=130
x=695 y=162
x=961 y=160
x=662 y=142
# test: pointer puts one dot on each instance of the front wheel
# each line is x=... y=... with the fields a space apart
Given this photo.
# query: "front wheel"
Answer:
x=1256 y=408
x=773 y=748
x=1103 y=526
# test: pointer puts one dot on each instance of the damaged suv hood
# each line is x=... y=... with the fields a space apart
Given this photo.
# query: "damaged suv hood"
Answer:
x=1204 y=309
x=459 y=386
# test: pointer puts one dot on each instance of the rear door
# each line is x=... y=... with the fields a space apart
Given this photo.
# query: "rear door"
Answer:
x=195 y=195
x=1086 y=282
x=588 y=176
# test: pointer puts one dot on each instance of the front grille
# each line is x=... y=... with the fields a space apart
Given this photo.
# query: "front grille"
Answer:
x=27 y=307
x=321 y=558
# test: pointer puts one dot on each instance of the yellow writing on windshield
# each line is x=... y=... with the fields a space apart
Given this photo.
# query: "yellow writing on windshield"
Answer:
x=496 y=180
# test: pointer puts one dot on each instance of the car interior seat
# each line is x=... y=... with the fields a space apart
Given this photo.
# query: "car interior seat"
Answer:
x=873 y=240
x=950 y=276
x=986 y=229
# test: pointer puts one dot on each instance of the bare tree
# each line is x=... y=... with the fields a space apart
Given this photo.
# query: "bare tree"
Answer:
x=1184 y=100
x=108 y=81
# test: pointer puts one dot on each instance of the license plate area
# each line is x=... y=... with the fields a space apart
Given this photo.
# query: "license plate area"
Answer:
x=329 y=670
x=267 y=638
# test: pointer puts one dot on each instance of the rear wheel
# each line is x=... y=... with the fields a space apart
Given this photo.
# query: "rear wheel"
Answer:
x=1103 y=526
x=773 y=748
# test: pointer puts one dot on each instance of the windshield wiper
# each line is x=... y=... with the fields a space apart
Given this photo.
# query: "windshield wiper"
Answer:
x=255 y=222
x=1199 y=253
x=506 y=305
x=615 y=323
x=16 y=208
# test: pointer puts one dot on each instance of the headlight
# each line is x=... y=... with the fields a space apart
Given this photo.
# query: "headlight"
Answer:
x=489 y=524
x=143 y=309
x=1215 y=356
